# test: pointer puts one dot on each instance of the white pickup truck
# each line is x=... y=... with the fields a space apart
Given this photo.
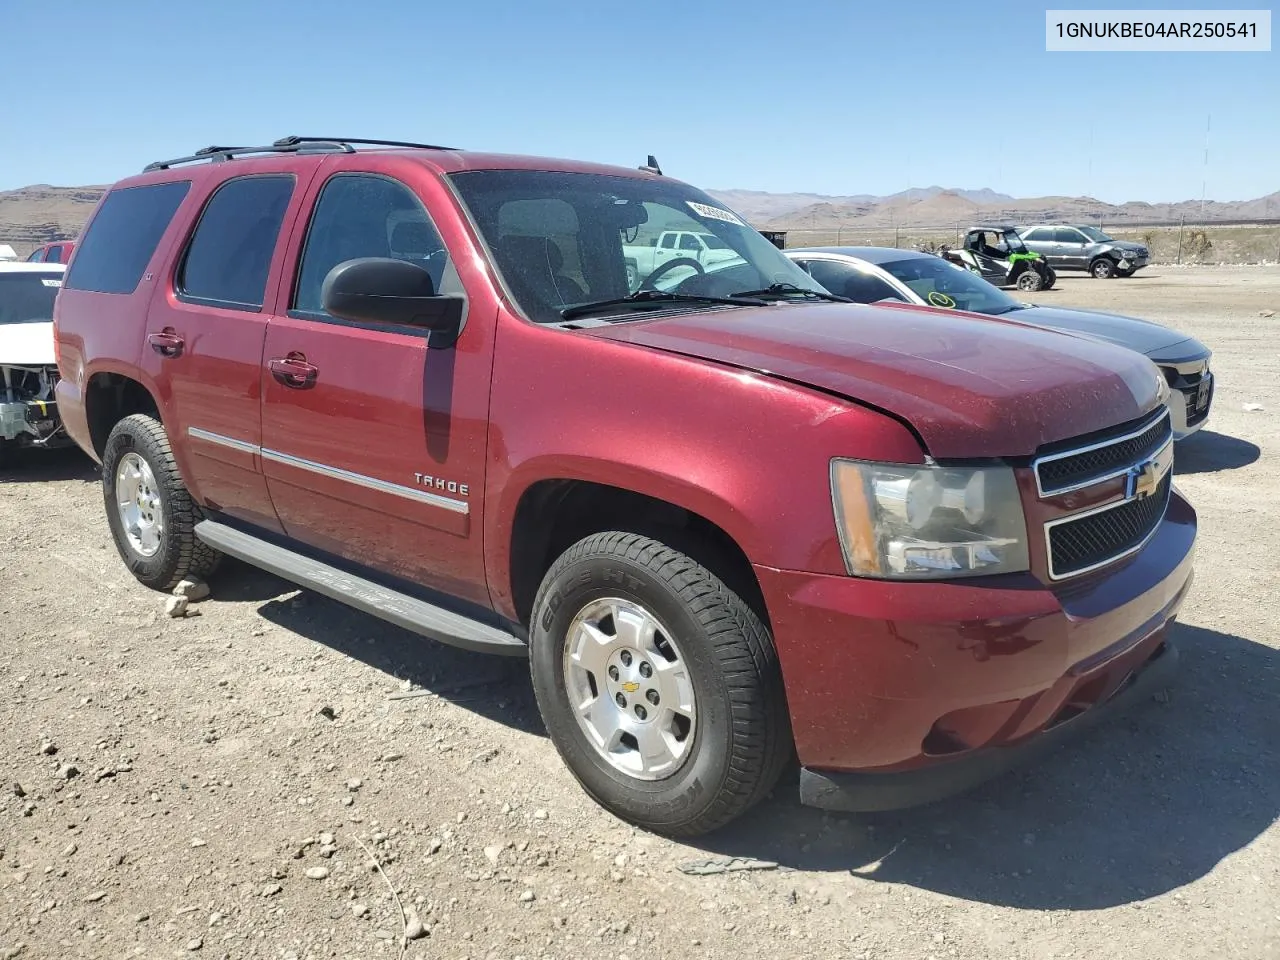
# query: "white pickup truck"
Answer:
x=705 y=249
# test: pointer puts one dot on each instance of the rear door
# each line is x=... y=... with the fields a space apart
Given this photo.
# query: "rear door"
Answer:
x=205 y=331
x=1043 y=240
x=373 y=441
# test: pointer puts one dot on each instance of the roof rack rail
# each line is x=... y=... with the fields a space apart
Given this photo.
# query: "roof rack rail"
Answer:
x=219 y=154
x=292 y=141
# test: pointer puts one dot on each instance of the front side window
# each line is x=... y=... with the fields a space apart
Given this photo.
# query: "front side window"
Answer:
x=1067 y=235
x=229 y=257
x=122 y=236
x=28 y=297
x=942 y=284
x=605 y=239
x=37 y=256
x=366 y=215
x=1096 y=235
x=689 y=242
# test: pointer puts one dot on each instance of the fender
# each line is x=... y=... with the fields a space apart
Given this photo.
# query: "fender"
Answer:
x=748 y=452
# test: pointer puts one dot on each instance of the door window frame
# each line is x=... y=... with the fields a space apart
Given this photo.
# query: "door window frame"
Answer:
x=289 y=288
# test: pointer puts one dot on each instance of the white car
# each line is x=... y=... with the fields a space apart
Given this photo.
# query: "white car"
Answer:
x=28 y=368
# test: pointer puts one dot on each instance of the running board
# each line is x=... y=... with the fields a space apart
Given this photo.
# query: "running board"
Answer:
x=413 y=614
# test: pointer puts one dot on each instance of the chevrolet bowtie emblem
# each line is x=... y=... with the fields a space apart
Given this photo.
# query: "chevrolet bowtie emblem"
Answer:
x=630 y=687
x=1142 y=480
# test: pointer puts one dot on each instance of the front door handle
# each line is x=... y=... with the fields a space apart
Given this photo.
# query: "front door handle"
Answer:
x=294 y=371
x=166 y=342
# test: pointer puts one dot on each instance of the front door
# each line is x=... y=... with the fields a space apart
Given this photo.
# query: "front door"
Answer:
x=204 y=337
x=1071 y=248
x=373 y=441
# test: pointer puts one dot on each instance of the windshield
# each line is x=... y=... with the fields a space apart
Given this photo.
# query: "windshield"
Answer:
x=28 y=297
x=943 y=284
x=560 y=240
x=1094 y=234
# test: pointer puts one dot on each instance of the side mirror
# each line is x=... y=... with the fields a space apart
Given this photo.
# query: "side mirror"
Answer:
x=383 y=290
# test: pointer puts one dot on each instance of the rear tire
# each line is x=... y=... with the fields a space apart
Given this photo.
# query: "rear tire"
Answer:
x=137 y=453
x=1102 y=269
x=736 y=729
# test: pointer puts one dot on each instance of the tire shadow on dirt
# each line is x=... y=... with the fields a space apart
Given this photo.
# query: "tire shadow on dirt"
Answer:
x=43 y=466
x=1137 y=807
x=1208 y=452
x=495 y=687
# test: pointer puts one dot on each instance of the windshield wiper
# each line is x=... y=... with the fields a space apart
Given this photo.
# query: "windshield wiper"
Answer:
x=642 y=298
x=779 y=290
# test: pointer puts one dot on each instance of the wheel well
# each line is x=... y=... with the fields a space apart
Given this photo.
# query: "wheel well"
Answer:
x=555 y=514
x=110 y=398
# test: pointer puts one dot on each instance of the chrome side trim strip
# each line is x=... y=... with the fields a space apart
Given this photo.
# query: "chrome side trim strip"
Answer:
x=369 y=483
x=359 y=479
x=1075 y=452
x=231 y=442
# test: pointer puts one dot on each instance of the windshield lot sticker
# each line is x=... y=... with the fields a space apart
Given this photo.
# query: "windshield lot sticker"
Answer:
x=51 y=283
x=714 y=213
x=939 y=299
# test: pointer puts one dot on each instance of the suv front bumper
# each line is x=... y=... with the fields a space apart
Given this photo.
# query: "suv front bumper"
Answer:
x=904 y=693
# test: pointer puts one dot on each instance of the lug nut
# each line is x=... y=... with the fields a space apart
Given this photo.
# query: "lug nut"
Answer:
x=613 y=673
x=626 y=658
x=652 y=697
x=641 y=712
x=646 y=670
x=622 y=701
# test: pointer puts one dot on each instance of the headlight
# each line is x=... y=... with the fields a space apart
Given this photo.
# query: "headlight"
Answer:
x=917 y=523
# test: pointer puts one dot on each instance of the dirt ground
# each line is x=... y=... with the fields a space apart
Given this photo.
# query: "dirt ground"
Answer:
x=236 y=769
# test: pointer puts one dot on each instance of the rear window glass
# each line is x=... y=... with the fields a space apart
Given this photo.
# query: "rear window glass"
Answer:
x=123 y=235
x=229 y=257
x=28 y=297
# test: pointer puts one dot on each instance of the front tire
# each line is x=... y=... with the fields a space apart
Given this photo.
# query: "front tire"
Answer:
x=659 y=686
x=1102 y=269
x=149 y=510
x=1029 y=280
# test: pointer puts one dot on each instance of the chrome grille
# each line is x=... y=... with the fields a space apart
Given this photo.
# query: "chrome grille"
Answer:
x=1090 y=540
x=1102 y=460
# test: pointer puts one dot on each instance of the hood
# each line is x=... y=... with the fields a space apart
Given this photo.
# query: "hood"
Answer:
x=1156 y=341
x=1128 y=245
x=971 y=386
x=27 y=344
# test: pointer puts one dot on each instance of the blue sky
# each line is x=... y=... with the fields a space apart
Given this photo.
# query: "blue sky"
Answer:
x=828 y=97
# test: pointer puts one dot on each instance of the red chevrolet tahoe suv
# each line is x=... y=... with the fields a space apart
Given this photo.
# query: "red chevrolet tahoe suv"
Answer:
x=730 y=519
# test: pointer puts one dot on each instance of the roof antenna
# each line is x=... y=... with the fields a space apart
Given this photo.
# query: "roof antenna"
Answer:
x=652 y=166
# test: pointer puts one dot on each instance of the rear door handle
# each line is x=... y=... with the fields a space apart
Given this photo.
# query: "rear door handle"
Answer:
x=294 y=371
x=166 y=343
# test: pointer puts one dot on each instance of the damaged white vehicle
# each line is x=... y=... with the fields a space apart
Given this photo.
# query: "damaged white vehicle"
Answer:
x=28 y=367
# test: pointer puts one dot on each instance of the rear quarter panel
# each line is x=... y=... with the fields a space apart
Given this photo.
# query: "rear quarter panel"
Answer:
x=104 y=332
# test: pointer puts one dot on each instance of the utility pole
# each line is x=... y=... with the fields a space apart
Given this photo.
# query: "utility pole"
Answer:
x=1204 y=181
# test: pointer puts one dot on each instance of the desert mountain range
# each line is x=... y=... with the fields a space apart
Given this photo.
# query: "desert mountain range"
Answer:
x=37 y=214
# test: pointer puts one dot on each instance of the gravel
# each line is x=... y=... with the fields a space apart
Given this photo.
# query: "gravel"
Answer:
x=1155 y=836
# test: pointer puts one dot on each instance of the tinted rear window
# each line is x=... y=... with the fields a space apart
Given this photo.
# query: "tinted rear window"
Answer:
x=123 y=235
x=229 y=256
x=28 y=297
